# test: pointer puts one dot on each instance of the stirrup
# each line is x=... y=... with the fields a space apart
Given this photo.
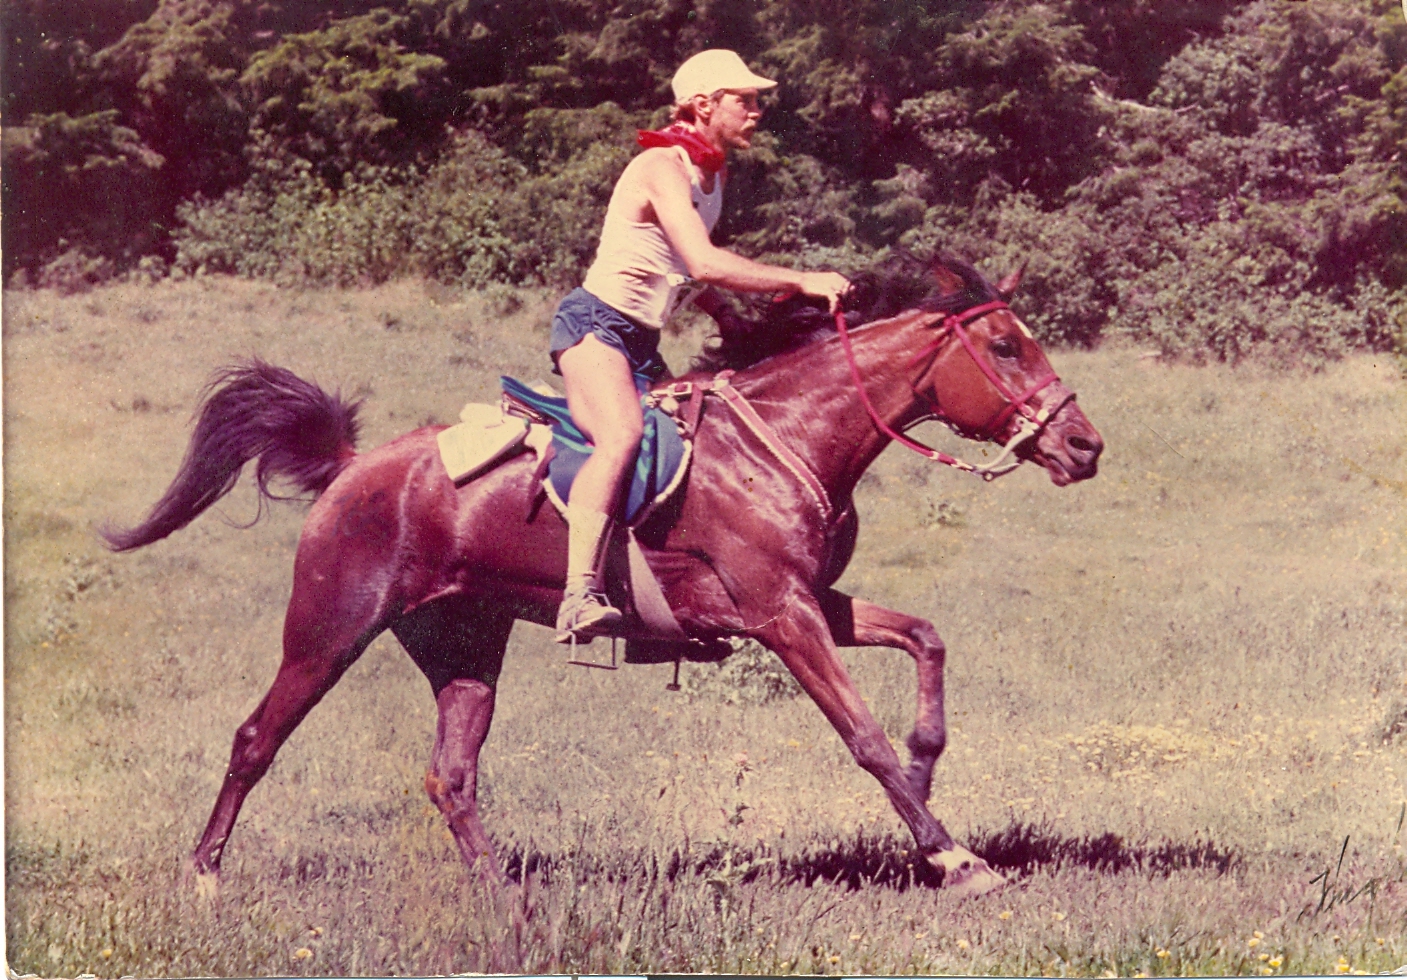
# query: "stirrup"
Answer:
x=613 y=665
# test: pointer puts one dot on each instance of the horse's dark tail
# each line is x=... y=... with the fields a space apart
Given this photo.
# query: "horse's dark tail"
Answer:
x=252 y=410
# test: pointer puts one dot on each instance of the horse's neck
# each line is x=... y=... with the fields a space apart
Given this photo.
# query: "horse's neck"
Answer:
x=809 y=396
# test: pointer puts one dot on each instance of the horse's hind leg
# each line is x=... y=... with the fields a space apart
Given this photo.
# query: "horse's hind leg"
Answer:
x=332 y=617
x=857 y=623
x=307 y=673
x=459 y=645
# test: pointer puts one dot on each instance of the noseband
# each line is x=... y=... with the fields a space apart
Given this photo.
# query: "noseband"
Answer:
x=1032 y=420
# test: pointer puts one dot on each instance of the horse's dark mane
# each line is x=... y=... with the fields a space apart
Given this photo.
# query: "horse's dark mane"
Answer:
x=899 y=283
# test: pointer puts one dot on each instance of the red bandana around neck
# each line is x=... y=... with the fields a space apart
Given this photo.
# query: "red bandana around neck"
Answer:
x=703 y=153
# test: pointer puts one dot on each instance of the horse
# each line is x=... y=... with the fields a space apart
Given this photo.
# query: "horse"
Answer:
x=751 y=547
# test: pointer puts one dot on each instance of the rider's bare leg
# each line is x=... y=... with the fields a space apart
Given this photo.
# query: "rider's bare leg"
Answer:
x=604 y=404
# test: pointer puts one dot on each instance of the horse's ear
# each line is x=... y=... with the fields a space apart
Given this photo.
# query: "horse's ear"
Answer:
x=949 y=282
x=1010 y=282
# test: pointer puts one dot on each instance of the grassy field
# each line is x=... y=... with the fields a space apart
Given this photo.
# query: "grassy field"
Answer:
x=1177 y=693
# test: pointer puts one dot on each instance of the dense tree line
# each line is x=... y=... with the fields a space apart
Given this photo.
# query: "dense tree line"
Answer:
x=1213 y=176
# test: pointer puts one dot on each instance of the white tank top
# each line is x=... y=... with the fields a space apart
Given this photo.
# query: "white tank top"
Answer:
x=637 y=271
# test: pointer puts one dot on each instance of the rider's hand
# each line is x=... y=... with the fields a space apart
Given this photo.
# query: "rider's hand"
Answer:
x=829 y=286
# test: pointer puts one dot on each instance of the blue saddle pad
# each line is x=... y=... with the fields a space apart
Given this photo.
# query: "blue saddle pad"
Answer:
x=662 y=449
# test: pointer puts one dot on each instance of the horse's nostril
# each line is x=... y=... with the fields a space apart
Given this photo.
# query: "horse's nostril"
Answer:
x=1082 y=447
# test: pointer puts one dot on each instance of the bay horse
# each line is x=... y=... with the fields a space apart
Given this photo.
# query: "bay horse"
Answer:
x=761 y=531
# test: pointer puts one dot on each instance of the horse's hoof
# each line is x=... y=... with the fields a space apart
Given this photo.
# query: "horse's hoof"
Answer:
x=965 y=874
x=204 y=884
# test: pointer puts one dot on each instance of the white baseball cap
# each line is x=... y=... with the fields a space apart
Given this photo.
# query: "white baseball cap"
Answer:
x=709 y=71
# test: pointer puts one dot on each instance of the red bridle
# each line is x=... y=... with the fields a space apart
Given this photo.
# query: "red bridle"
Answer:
x=1032 y=421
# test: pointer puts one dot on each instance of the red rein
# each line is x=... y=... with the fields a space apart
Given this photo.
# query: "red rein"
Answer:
x=956 y=324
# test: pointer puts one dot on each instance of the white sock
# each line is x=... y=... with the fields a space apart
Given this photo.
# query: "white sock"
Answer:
x=587 y=531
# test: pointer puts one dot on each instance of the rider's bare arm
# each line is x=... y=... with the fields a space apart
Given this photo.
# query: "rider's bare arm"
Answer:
x=665 y=187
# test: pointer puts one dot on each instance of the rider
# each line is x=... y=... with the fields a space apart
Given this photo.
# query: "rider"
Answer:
x=654 y=256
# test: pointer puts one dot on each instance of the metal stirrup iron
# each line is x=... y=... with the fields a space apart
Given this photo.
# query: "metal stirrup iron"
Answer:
x=613 y=665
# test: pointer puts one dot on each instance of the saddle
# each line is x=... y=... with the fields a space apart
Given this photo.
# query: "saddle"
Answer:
x=666 y=446
x=529 y=418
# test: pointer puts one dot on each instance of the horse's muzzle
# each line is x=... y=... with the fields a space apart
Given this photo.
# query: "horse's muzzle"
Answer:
x=1068 y=447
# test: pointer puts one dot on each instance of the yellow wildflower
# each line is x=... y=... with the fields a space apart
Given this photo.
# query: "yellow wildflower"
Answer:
x=302 y=953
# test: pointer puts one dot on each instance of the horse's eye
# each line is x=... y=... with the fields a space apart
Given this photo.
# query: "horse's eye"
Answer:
x=1006 y=347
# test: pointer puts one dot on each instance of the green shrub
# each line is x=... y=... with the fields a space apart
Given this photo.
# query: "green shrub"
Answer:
x=1236 y=214
x=1217 y=177
x=74 y=186
x=474 y=218
x=751 y=675
x=286 y=225
x=461 y=237
x=75 y=271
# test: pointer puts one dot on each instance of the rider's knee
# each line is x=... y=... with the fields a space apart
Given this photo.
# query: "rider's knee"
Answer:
x=620 y=442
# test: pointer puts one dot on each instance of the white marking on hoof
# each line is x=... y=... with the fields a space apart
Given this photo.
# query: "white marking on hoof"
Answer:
x=204 y=884
x=965 y=874
x=207 y=886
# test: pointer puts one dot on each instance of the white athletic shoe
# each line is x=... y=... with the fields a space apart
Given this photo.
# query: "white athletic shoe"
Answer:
x=585 y=614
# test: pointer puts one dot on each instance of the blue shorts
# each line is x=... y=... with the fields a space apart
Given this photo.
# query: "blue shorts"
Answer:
x=581 y=313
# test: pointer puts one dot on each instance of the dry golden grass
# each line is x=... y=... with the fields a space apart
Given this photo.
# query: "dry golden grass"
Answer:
x=1174 y=692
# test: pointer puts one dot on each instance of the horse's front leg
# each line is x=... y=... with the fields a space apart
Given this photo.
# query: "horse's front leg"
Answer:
x=802 y=638
x=857 y=623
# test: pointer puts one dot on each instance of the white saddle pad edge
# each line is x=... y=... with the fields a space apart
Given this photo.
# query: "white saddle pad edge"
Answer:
x=483 y=436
